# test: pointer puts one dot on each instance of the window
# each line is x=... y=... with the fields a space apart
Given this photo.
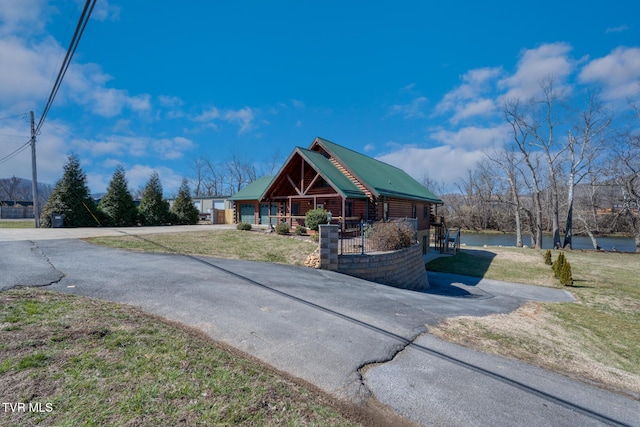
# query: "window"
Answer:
x=386 y=211
x=295 y=209
x=414 y=211
x=426 y=211
x=348 y=209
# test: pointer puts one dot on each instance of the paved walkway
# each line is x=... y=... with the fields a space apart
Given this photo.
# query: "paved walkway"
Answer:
x=352 y=338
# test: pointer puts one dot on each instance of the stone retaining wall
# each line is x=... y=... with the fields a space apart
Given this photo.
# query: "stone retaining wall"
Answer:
x=401 y=269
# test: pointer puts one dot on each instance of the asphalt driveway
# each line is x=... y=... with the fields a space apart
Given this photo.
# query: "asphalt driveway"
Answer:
x=328 y=329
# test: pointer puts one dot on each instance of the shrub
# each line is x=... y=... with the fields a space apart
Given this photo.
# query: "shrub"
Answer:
x=300 y=230
x=243 y=226
x=566 y=278
x=183 y=210
x=557 y=265
x=315 y=217
x=391 y=236
x=315 y=237
x=547 y=257
x=282 y=228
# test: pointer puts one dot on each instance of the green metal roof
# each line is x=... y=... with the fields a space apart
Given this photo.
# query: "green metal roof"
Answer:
x=381 y=178
x=254 y=190
x=331 y=173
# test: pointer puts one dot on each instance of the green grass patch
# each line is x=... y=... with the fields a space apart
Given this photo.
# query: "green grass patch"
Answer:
x=515 y=265
x=114 y=365
x=602 y=326
x=17 y=224
x=234 y=244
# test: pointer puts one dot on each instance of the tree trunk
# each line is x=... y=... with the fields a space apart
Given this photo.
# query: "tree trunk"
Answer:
x=568 y=228
x=518 y=229
x=594 y=240
x=538 y=243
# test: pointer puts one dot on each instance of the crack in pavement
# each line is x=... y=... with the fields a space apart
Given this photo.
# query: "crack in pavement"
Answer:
x=395 y=351
x=53 y=267
x=27 y=268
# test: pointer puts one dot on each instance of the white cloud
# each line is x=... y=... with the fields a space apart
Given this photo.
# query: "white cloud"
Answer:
x=138 y=175
x=22 y=16
x=173 y=148
x=131 y=146
x=25 y=72
x=244 y=117
x=51 y=151
x=536 y=65
x=410 y=110
x=618 y=73
x=467 y=99
x=408 y=88
x=369 y=147
x=480 y=107
x=208 y=115
x=170 y=101
x=103 y=11
x=472 y=137
x=618 y=29
x=444 y=163
x=297 y=103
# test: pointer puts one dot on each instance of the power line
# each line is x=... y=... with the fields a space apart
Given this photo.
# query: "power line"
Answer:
x=15 y=152
x=13 y=117
x=73 y=45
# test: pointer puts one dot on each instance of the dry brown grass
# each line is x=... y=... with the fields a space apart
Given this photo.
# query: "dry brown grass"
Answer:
x=596 y=340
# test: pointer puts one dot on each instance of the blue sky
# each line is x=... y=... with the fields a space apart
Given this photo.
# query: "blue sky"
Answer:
x=418 y=84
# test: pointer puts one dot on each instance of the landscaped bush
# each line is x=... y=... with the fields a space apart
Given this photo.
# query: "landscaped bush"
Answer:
x=315 y=237
x=558 y=264
x=391 y=236
x=547 y=257
x=243 y=226
x=300 y=230
x=314 y=218
x=566 y=277
x=282 y=228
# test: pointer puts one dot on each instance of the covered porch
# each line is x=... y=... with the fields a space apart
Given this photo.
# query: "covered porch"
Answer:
x=309 y=180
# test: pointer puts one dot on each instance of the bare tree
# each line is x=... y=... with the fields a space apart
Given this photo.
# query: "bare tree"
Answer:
x=583 y=148
x=626 y=169
x=587 y=203
x=15 y=189
x=509 y=162
x=523 y=139
x=542 y=125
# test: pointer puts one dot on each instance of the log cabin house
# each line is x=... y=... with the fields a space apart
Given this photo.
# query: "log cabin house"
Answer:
x=350 y=185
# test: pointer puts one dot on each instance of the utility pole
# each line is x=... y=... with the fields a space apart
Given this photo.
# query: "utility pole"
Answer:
x=34 y=174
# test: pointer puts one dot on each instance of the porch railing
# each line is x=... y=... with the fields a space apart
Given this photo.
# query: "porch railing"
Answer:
x=354 y=236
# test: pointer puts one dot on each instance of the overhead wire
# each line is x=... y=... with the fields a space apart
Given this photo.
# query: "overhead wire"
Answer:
x=73 y=45
x=15 y=152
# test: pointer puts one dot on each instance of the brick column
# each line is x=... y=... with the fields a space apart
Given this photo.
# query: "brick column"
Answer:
x=329 y=247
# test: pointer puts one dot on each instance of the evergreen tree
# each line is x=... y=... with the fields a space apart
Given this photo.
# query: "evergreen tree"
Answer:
x=183 y=209
x=547 y=257
x=558 y=264
x=71 y=197
x=118 y=204
x=153 y=210
x=566 y=277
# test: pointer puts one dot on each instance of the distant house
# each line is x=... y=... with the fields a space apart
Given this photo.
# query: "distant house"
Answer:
x=210 y=208
x=352 y=186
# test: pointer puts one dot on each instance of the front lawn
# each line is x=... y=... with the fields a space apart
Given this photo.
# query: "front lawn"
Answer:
x=595 y=340
x=234 y=244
